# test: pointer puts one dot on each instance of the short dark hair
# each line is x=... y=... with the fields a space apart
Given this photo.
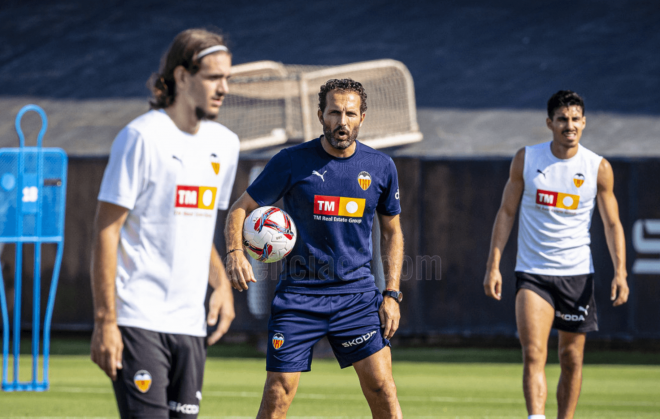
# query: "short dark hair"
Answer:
x=183 y=51
x=346 y=85
x=564 y=98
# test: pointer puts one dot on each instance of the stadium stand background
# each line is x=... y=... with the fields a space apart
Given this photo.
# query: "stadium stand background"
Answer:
x=482 y=73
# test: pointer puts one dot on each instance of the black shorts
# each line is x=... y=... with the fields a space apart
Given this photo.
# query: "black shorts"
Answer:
x=572 y=297
x=162 y=374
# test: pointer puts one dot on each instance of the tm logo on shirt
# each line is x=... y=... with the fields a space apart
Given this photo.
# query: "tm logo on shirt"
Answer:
x=338 y=205
x=557 y=199
x=202 y=197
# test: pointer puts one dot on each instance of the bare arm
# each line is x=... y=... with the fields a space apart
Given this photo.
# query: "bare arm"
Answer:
x=506 y=216
x=239 y=269
x=107 y=344
x=222 y=298
x=616 y=242
x=391 y=244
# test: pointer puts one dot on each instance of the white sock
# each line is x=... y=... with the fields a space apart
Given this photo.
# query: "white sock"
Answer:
x=536 y=417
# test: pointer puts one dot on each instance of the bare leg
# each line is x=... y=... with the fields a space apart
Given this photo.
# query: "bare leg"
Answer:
x=534 y=317
x=278 y=394
x=571 y=354
x=375 y=374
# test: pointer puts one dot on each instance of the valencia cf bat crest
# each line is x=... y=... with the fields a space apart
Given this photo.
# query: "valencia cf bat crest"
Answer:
x=215 y=163
x=578 y=179
x=142 y=380
x=364 y=179
x=278 y=340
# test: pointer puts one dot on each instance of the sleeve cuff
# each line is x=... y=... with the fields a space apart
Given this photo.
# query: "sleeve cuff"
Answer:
x=390 y=214
x=118 y=200
x=258 y=200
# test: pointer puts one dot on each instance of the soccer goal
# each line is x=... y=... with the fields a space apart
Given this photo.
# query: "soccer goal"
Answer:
x=270 y=103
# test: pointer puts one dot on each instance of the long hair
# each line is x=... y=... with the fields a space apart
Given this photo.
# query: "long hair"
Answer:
x=182 y=52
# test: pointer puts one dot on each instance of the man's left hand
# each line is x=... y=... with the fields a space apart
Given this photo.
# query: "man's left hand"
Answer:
x=620 y=288
x=221 y=304
x=390 y=315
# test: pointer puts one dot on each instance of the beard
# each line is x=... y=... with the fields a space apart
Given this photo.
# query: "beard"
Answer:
x=337 y=143
x=202 y=115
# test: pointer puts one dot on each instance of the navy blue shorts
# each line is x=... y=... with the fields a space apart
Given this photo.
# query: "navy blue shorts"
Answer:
x=298 y=321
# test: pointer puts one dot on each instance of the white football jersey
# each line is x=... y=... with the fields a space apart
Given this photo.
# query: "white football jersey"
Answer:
x=173 y=183
x=555 y=212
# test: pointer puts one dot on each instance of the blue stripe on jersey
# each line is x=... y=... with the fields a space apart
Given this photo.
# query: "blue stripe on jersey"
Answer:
x=333 y=202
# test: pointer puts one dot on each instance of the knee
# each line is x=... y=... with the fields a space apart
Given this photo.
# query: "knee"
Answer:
x=383 y=389
x=534 y=354
x=570 y=358
x=279 y=393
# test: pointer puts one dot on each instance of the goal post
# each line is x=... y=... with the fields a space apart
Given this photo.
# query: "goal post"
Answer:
x=270 y=103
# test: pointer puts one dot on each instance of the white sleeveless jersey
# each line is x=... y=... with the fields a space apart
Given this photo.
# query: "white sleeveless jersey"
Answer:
x=173 y=183
x=555 y=212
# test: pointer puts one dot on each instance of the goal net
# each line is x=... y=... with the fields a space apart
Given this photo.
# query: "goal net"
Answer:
x=270 y=103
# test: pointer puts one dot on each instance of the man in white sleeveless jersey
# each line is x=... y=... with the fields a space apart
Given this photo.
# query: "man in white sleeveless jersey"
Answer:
x=169 y=172
x=559 y=183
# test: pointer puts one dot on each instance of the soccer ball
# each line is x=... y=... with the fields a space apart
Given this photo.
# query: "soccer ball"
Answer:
x=269 y=234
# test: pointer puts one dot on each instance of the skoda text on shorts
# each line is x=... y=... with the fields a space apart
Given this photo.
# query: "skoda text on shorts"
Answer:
x=169 y=172
x=332 y=187
x=556 y=186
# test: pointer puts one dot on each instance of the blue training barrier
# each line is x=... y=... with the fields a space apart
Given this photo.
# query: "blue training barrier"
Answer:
x=32 y=203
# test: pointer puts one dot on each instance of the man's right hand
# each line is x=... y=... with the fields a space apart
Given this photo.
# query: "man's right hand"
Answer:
x=107 y=348
x=239 y=271
x=493 y=284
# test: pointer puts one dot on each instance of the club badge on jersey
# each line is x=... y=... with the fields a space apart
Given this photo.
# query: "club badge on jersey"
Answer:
x=364 y=179
x=215 y=163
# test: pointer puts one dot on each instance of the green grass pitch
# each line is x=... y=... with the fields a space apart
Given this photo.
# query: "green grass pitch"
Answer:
x=432 y=383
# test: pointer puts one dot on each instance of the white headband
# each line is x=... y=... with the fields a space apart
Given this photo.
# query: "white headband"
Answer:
x=211 y=50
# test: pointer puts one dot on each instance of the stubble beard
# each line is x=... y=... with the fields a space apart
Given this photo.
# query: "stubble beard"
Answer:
x=340 y=144
x=202 y=115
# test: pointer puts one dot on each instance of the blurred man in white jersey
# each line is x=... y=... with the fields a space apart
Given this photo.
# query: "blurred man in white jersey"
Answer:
x=559 y=183
x=169 y=172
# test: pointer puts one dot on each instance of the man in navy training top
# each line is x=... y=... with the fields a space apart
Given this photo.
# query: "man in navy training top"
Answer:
x=331 y=187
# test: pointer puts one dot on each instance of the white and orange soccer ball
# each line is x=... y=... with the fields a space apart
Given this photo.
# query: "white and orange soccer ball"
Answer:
x=269 y=234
